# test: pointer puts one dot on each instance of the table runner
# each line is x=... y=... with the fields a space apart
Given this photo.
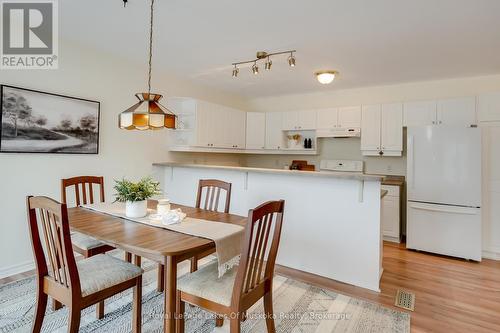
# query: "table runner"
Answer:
x=227 y=237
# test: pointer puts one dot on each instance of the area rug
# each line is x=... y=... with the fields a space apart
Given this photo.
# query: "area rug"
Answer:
x=299 y=307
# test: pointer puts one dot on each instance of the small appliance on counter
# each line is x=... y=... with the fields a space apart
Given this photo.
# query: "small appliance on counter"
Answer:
x=302 y=166
x=341 y=165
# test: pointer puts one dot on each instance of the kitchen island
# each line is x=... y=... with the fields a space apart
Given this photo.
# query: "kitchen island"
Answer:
x=331 y=227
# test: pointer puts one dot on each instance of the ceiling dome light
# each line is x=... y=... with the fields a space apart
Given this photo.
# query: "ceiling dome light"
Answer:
x=268 y=64
x=326 y=77
x=255 y=68
x=236 y=71
x=291 y=60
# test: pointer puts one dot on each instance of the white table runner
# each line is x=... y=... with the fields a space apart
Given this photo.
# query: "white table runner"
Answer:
x=227 y=237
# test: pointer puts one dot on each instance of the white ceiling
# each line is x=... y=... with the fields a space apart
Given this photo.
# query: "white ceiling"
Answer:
x=371 y=42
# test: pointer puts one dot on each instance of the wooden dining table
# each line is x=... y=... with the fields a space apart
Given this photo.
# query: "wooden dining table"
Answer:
x=155 y=243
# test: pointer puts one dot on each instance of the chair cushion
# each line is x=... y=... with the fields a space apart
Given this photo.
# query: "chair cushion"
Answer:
x=205 y=283
x=84 y=242
x=103 y=271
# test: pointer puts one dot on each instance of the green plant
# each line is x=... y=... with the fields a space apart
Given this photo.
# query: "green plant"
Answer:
x=129 y=191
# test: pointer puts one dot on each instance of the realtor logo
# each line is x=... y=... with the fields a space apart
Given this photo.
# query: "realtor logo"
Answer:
x=29 y=34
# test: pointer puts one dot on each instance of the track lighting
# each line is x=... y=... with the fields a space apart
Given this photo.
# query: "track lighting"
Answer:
x=267 y=65
x=291 y=60
x=236 y=71
x=255 y=68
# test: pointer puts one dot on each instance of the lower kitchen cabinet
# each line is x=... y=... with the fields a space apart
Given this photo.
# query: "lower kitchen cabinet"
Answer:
x=391 y=214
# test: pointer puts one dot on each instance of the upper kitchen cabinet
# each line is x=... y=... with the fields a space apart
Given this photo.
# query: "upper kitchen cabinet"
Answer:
x=457 y=111
x=237 y=128
x=382 y=130
x=256 y=130
x=349 y=117
x=453 y=111
x=344 y=117
x=299 y=120
x=488 y=107
x=419 y=113
x=275 y=138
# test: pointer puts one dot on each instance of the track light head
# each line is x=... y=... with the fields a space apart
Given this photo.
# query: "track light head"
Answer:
x=268 y=64
x=236 y=71
x=255 y=68
x=291 y=60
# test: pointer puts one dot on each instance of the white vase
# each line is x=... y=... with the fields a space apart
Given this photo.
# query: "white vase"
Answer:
x=136 y=208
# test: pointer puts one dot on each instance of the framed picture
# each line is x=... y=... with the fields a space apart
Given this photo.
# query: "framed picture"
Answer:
x=40 y=122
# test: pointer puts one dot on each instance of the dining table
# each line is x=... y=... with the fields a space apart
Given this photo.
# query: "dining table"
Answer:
x=152 y=242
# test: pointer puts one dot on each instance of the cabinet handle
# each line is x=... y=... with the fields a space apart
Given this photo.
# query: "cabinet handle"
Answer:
x=440 y=122
x=381 y=153
x=433 y=122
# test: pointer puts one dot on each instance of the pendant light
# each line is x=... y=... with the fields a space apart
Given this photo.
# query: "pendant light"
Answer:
x=148 y=113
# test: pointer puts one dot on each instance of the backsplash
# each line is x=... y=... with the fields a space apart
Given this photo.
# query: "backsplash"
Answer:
x=334 y=149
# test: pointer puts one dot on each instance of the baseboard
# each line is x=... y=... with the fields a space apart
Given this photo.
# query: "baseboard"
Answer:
x=493 y=254
x=16 y=269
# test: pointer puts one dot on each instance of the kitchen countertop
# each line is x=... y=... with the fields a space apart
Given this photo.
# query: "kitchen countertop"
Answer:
x=326 y=174
x=394 y=181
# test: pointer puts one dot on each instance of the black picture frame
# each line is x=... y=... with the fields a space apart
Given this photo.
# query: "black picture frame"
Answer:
x=89 y=138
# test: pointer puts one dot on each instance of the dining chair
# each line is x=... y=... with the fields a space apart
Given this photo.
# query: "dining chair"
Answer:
x=209 y=193
x=83 y=244
x=241 y=287
x=77 y=285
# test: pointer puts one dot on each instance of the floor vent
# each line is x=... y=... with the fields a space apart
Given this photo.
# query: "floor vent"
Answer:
x=405 y=300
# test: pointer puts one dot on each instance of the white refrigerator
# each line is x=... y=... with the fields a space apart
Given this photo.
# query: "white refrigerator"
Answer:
x=444 y=190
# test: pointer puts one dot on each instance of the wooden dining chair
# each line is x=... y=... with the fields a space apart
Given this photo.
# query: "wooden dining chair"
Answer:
x=83 y=244
x=209 y=192
x=238 y=289
x=77 y=285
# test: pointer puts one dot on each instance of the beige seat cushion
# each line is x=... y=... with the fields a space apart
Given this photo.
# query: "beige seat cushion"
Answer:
x=205 y=283
x=103 y=271
x=84 y=242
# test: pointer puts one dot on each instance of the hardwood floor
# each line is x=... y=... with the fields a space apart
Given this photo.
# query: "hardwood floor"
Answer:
x=452 y=295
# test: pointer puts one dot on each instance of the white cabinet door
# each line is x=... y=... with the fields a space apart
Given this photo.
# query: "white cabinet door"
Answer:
x=349 y=117
x=327 y=118
x=390 y=217
x=488 y=107
x=392 y=127
x=274 y=133
x=256 y=130
x=290 y=120
x=419 y=113
x=237 y=129
x=219 y=133
x=204 y=122
x=457 y=111
x=370 y=127
x=306 y=120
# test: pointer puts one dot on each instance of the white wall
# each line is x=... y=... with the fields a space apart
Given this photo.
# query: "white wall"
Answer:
x=93 y=75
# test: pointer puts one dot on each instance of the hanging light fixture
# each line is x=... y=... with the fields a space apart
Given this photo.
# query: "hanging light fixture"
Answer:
x=148 y=113
x=267 y=66
x=291 y=60
x=326 y=77
x=255 y=68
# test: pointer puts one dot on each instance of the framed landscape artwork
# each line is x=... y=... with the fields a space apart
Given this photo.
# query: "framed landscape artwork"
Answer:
x=40 y=122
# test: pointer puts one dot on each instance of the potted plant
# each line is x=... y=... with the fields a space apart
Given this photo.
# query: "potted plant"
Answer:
x=135 y=195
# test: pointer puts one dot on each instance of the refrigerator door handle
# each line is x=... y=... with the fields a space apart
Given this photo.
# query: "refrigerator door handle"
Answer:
x=411 y=161
x=445 y=209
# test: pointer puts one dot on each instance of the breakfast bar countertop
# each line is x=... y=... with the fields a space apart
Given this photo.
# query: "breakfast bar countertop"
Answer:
x=327 y=174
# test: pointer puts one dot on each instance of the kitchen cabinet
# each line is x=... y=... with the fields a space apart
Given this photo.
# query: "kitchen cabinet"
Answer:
x=256 y=130
x=419 y=113
x=299 y=120
x=391 y=215
x=453 y=111
x=275 y=138
x=382 y=130
x=344 y=117
x=457 y=111
x=237 y=128
x=488 y=107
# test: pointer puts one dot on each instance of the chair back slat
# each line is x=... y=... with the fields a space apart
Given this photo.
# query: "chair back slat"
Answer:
x=211 y=190
x=52 y=217
x=260 y=248
x=82 y=183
